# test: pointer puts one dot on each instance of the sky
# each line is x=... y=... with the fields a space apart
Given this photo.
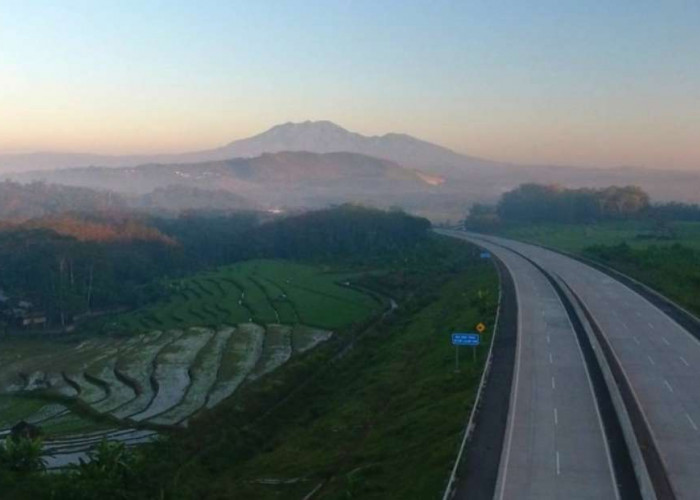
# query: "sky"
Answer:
x=558 y=82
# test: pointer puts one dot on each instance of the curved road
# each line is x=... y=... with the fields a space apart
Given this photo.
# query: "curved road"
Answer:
x=659 y=358
x=555 y=444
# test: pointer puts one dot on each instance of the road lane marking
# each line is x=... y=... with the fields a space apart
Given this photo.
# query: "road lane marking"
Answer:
x=554 y=385
x=668 y=386
x=514 y=393
x=665 y=341
x=550 y=358
x=548 y=339
x=692 y=422
x=651 y=360
x=651 y=326
x=684 y=361
x=636 y=340
x=556 y=417
x=558 y=468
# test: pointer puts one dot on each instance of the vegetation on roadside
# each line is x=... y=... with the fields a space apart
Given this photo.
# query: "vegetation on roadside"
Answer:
x=657 y=244
x=376 y=412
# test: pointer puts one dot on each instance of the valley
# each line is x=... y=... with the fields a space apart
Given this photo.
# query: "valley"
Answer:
x=159 y=366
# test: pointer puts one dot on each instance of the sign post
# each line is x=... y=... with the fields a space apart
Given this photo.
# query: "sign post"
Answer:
x=479 y=328
x=468 y=339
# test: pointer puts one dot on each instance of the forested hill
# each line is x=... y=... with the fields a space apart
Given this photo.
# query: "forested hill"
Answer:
x=28 y=201
x=126 y=264
x=21 y=202
x=347 y=230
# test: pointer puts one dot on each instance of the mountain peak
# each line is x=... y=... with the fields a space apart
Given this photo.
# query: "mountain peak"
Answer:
x=308 y=126
x=327 y=137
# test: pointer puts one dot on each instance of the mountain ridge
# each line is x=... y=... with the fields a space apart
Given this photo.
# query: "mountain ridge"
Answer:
x=313 y=136
x=286 y=178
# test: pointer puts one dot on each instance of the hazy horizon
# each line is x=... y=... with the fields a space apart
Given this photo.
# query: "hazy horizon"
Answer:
x=553 y=83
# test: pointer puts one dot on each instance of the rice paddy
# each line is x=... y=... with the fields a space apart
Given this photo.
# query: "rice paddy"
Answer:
x=166 y=362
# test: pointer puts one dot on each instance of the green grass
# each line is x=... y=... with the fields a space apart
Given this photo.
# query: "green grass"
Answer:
x=670 y=264
x=13 y=409
x=273 y=291
x=576 y=237
x=389 y=421
x=382 y=421
x=264 y=291
x=376 y=411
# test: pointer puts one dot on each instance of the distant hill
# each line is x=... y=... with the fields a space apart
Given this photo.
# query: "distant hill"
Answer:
x=315 y=137
x=44 y=201
x=287 y=165
x=175 y=199
x=20 y=202
x=279 y=179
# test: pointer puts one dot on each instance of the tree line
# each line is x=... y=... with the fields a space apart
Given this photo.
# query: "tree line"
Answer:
x=538 y=203
x=64 y=274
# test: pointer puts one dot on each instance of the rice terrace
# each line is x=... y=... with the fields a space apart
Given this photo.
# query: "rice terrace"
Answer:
x=156 y=367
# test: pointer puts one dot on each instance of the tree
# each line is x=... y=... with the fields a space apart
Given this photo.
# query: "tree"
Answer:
x=539 y=203
x=22 y=455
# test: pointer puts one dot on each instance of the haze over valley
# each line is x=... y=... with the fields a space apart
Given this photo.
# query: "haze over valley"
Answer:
x=313 y=164
x=332 y=249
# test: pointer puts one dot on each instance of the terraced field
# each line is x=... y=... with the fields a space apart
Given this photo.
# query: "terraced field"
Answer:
x=165 y=363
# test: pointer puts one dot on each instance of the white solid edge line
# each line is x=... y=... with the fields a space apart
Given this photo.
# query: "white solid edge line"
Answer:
x=505 y=453
x=484 y=374
x=590 y=383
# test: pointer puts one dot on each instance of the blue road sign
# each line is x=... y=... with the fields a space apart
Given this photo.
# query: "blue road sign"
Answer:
x=485 y=255
x=472 y=339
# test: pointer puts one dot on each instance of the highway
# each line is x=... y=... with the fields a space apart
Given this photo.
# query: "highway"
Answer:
x=660 y=359
x=555 y=444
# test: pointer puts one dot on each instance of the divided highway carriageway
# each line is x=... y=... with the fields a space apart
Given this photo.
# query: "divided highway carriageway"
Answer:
x=605 y=391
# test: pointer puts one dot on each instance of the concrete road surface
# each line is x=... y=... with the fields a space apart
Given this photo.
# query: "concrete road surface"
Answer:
x=660 y=359
x=555 y=445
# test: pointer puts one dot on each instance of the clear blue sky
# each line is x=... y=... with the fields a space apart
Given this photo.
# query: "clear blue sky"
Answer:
x=576 y=82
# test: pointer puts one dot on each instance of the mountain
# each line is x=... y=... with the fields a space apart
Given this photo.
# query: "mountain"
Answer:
x=434 y=180
x=327 y=137
x=272 y=179
x=315 y=137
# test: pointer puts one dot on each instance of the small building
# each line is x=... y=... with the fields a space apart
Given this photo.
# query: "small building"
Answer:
x=32 y=319
x=23 y=316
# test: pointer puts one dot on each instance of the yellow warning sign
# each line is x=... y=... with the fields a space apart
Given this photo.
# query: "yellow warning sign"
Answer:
x=480 y=327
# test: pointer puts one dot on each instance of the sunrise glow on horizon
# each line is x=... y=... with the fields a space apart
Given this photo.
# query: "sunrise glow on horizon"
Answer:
x=569 y=83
